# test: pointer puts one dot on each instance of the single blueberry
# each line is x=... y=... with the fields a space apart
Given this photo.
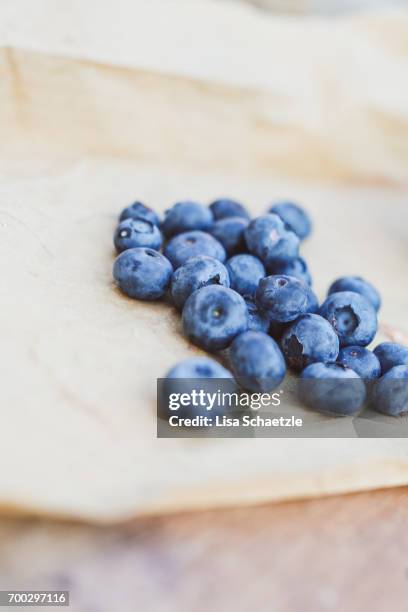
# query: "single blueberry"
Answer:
x=132 y=233
x=213 y=316
x=245 y=272
x=309 y=339
x=390 y=393
x=294 y=217
x=188 y=377
x=391 y=354
x=284 y=298
x=198 y=367
x=257 y=321
x=186 y=216
x=191 y=244
x=361 y=360
x=230 y=232
x=225 y=207
x=359 y=285
x=257 y=361
x=268 y=239
x=294 y=267
x=352 y=316
x=332 y=389
x=197 y=272
x=137 y=210
x=142 y=273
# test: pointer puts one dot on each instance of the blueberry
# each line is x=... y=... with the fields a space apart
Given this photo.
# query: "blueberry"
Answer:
x=361 y=360
x=257 y=361
x=224 y=208
x=294 y=267
x=359 y=285
x=198 y=367
x=197 y=272
x=390 y=393
x=213 y=316
x=191 y=244
x=352 y=317
x=137 y=210
x=283 y=298
x=257 y=321
x=268 y=239
x=186 y=216
x=309 y=339
x=230 y=232
x=391 y=354
x=132 y=233
x=294 y=217
x=332 y=389
x=245 y=272
x=142 y=273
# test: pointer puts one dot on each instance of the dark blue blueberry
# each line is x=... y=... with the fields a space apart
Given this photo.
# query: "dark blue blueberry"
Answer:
x=245 y=272
x=332 y=389
x=276 y=329
x=257 y=321
x=137 y=210
x=230 y=232
x=352 y=316
x=198 y=367
x=294 y=267
x=142 y=273
x=283 y=298
x=225 y=207
x=268 y=239
x=391 y=354
x=132 y=233
x=197 y=272
x=213 y=316
x=191 y=244
x=295 y=218
x=361 y=360
x=257 y=361
x=309 y=339
x=186 y=216
x=312 y=303
x=390 y=393
x=359 y=285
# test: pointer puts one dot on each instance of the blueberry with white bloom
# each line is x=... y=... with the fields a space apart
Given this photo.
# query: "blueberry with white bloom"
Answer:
x=226 y=207
x=191 y=244
x=142 y=273
x=198 y=367
x=186 y=216
x=309 y=339
x=230 y=232
x=268 y=239
x=257 y=361
x=391 y=354
x=284 y=298
x=352 y=316
x=293 y=267
x=390 y=393
x=197 y=272
x=257 y=320
x=132 y=233
x=213 y=316
x=245 y=272
x=361 y=360
x=359 y=285
x=137 y=210
x=294 y=217
x=331 y=388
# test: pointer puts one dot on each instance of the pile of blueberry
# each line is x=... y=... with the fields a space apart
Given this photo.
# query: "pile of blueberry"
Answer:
x=241 y=285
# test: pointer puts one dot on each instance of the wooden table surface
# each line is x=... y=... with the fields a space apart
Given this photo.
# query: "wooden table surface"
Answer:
x=347 y=553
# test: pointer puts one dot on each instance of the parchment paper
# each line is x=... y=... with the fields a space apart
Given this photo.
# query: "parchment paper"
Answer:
x=79 y=361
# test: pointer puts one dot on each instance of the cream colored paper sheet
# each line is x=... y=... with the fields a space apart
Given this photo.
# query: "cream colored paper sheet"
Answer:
x=79 y=361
